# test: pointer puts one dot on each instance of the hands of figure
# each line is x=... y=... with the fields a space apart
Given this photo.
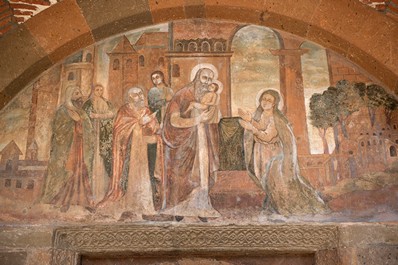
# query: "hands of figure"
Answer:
x=74 y=115
x=247 y=125
x=190 y=107
x=204 y=116
x=93 y=115
x=245 y=115
x=147 y=118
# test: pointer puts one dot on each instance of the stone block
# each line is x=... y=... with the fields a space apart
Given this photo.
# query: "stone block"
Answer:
x=163 y=11
x=362 y=235
x=14 y=258
x=61 y=30
x=107 y=18
x=25 y=237
x=377 y=255
x=21 y=60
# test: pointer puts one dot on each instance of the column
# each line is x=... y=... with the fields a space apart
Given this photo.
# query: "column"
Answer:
x=292 y=90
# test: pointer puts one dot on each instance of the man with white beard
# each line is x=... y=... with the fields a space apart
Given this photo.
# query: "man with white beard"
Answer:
x=191 y=152
x=134 y=127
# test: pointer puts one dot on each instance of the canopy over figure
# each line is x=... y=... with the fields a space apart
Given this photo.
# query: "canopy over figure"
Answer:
x=271 y=160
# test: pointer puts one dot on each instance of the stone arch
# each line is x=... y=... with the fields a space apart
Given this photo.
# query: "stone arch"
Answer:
x=37 y=49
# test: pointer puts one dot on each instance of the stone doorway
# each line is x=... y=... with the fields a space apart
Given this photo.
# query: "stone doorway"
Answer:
x=299 y=259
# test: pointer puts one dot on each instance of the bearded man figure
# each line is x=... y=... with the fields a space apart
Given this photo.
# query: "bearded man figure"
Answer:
x=191 y=152
x=135 y=127
x=69 y=168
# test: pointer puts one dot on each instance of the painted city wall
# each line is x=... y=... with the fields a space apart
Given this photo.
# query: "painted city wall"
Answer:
x=201 y=121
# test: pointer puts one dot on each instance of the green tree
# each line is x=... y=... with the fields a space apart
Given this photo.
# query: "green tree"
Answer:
x=322 y=115
x=375 y=96
x=348 y=102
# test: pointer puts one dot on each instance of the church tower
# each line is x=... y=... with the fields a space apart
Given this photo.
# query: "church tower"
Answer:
x=78 y=70
x=123 y=71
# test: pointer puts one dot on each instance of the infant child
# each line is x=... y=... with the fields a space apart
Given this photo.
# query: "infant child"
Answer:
x=209 y=104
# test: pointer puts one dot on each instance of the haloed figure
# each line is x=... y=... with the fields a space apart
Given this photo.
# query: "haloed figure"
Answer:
x=69 y=167
x=101 y=113
x=191 y=153
x=271 y=159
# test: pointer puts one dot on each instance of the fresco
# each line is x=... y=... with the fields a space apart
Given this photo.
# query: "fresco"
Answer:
x=201 y=121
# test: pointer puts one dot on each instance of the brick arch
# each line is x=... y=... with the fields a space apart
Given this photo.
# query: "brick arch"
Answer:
x=64 y=28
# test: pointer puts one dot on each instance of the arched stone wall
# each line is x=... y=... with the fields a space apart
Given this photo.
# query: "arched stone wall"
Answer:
x=347 y=27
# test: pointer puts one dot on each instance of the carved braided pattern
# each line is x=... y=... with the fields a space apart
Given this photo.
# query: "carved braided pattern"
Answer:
x=64 y=257
x=147 y=238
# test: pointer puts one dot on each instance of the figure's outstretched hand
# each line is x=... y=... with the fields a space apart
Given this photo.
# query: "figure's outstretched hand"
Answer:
x=74 y=115
x=147 y=118
x=246 y=125
x=245 y=115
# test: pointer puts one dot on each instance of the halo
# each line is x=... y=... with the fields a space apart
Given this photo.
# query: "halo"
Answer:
x=220 y=86
x=204 y=65
x=280 y=105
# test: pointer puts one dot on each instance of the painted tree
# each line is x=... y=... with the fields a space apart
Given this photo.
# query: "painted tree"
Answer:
x=332 y=108
x=322 y=115
x=375 y=96
x=348 y=102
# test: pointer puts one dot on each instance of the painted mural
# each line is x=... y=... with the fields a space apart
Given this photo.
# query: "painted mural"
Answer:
x=201 y=121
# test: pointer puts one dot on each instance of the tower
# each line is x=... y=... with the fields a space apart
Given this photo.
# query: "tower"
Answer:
x=78 y=70
x=123 y=70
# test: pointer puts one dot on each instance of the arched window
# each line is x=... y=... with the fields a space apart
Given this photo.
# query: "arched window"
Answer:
x=31 y=184
x=218 y=47
x=205 y=46
x=18 y=184
x=71 y=76
x=9 y=166
x=89 y=57
x=176 y=70
x=395 y=127
x=193 y=47
x=116 y=64
x=393 y=151
x=142 y=60
x=362 y=144
x=129 y=63
x=7 y=183
x=161 y=62
x=179 y=47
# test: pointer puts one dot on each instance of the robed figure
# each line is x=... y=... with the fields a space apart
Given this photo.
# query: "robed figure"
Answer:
x=69 y=168
x=271 y=160
x=135 y=126
x=101 y=113
x=191 y=152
